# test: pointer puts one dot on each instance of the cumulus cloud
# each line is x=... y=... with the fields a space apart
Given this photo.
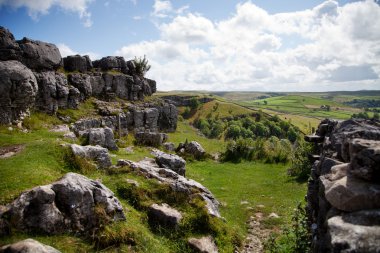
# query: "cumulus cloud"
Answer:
x=332 y=47
x=41 y=7
x=161 y=9
x=66 y=51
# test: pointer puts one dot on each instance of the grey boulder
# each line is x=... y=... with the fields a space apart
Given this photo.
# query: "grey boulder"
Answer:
x=53 y=91
x=77 y=63
x=205 y=244
x=103 y=137
x=18 y=91
x=164 y=215
x=148 y=138
x=170 y=161
x=83 y=83
x=38 y=55
x=28 y=246
x=95 y=153
x=68 y=204
x=9 y=49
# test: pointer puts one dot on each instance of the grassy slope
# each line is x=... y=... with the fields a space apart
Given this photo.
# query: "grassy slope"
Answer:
x=257 y=183
x=302 y=108
x=41 y=163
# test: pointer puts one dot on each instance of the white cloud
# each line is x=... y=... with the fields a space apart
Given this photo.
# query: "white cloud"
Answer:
x=332 y=47
x=66 y=51
x=137 y=17
x=161 y=9
x=41 y=7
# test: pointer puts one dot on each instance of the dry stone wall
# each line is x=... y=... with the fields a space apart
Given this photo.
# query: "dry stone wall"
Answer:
x=344 y=189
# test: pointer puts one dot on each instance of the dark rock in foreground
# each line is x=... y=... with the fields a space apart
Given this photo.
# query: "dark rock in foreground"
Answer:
x=69 y=204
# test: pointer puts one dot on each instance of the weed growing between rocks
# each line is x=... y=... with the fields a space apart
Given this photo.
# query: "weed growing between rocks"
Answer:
x=76 y=163
x=294 y=238
x=301 y=165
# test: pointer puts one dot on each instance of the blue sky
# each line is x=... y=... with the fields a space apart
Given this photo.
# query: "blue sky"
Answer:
x=217 y=45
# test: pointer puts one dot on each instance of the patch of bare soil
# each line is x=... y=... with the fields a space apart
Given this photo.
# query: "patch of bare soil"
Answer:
x=9 y=151
x=257 y=235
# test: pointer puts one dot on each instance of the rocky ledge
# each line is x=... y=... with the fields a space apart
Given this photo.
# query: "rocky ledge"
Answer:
x=149 y=168
x=344 y=189
x=33 y=75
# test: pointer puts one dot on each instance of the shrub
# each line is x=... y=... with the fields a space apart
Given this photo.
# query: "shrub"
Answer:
x=301 y=165
x=141 y=66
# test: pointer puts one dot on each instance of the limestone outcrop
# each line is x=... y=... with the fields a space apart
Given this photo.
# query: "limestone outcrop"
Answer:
x=170 y=161
x=68 y=204
x=93 y=153
x=344 y=189
x=18 y=90
x=178 y=183
x=31 y=76
x=192 y=148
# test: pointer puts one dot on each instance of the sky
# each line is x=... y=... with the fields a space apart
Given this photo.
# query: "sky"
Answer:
x=217 y=45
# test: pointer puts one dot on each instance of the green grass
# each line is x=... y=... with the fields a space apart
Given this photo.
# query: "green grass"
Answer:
x=36 y=164
x=220 y=109
x=41 y=162
x=255 y=182
x=185 y=131
x=303 y=105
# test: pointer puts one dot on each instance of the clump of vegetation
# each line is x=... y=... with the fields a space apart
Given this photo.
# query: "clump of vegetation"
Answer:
x=294 y=238
x=301 y=165
x=39 y=120
x=271 y=150
x=77 y=163
x=190 y=110
x=247 y=127
x=141 y=66
x=365 y=115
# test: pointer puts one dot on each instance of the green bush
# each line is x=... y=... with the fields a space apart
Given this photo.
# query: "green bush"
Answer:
x=141 y=66
x=301 y=165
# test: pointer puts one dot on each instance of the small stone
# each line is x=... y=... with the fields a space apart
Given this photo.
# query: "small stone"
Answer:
x=132 y=182
x=273 y=216
x=164 y=215
x=28 y=246
x=204 y=244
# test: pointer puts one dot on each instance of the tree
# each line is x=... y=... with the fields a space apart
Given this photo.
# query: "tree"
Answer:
x=141 y=66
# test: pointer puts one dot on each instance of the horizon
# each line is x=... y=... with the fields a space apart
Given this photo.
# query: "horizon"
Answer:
x=252 y=46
